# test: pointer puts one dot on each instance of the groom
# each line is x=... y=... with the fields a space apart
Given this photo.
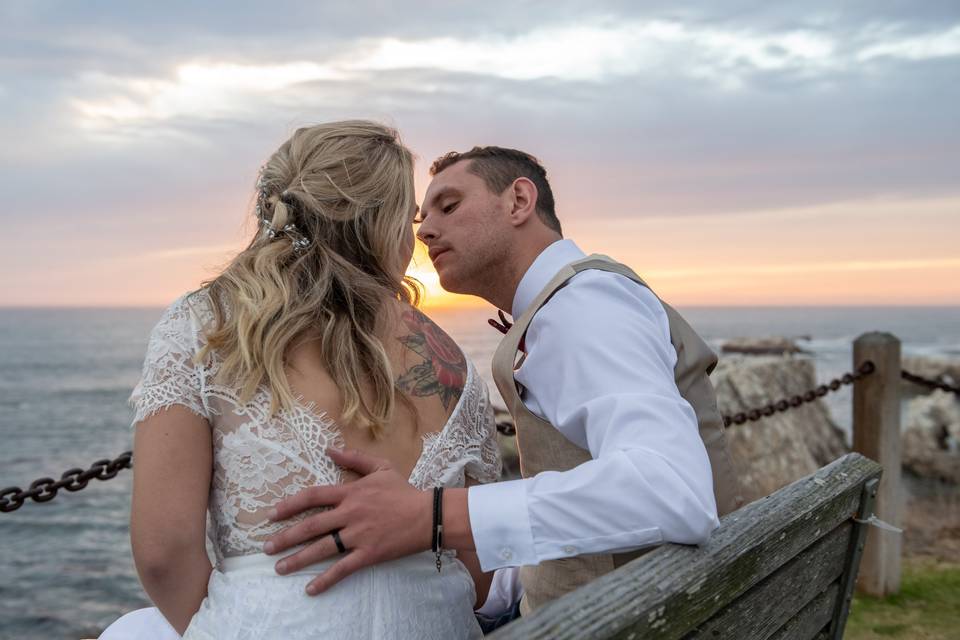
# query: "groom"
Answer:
x=621 y=444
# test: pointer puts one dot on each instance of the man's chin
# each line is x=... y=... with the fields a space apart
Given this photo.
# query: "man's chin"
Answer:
x=451 y=284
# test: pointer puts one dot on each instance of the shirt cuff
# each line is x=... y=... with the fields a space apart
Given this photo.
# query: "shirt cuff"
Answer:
x=500 y=522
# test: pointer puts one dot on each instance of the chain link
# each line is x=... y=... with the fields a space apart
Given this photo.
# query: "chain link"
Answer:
x=926 y=382
x=508 y=429
x=793 y=402
x=45 y=489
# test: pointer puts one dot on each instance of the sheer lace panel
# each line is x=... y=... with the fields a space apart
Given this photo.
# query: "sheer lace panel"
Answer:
x=260 y=460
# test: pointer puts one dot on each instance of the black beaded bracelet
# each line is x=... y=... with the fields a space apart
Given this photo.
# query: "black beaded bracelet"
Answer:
x=436 y=544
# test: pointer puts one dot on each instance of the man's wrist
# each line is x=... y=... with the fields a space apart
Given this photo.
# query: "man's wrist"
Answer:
x=456 y=520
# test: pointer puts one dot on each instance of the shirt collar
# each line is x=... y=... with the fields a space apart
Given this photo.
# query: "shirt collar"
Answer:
x=555 y=257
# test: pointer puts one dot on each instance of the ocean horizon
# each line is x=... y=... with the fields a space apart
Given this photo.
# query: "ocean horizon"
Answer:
x=66 y=372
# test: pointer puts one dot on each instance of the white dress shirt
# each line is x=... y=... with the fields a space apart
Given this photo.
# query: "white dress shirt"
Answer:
x=599 y=367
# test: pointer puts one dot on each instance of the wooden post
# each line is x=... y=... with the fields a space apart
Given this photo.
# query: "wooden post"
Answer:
x=876 y=434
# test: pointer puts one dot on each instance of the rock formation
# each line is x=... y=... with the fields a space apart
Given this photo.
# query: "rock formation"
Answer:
x=931 y=440
x=775 y=450
x=933 y=368
x=762 y=346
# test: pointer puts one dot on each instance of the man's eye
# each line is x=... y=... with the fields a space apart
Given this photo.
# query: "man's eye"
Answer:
x=450 y=207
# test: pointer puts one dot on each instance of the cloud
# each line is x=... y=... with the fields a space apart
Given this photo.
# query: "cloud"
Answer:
x=152 y=117
x=199 y=90
x=943 y=44
x=600 y=50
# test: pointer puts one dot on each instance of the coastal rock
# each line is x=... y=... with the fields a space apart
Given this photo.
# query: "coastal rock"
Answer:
x=943 y=369
x=775 y=450
x=931 y=441
x=775 y=345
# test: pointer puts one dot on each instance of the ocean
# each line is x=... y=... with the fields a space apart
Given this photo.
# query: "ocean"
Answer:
x=65 y=375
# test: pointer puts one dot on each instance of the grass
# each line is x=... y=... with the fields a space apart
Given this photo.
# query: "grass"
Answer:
x=927 y=607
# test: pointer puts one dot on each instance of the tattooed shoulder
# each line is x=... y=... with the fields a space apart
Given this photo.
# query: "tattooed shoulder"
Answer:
x=442 y=370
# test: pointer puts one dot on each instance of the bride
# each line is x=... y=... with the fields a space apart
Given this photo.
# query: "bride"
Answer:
x=308 y=339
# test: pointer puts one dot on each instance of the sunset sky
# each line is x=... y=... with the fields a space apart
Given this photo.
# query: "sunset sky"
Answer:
x=734 y=153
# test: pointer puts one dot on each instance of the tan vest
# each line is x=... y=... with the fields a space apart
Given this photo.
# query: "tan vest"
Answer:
x=543 y=448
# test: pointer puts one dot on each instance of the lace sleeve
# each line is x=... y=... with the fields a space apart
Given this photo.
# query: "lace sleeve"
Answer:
x=169 y=375
x=485 y=463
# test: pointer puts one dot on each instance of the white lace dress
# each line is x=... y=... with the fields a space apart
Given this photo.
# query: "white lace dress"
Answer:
x=257 y=461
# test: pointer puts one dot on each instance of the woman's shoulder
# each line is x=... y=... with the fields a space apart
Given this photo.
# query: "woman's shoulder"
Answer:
x=415 y=321
x=197 y=303
x=425 y=336
x=186 y=315
x=440 y=368
x=467 y=443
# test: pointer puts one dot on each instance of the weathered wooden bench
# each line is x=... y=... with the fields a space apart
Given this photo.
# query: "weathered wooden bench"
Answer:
x=783 y=567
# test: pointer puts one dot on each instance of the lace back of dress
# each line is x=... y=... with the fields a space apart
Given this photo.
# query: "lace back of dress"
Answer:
x=258 y=460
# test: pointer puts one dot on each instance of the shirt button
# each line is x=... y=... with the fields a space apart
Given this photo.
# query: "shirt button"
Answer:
x=506 y=553
x=570 y=549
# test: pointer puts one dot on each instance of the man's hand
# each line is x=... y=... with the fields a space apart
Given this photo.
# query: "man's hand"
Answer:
x=380 y=517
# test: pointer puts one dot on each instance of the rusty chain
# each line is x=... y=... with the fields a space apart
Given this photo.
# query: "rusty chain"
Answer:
x=793 y=402
x=508 y=429
x=45 y=489
x=926 y=382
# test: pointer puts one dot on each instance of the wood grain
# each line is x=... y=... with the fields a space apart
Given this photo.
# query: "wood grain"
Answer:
x=674 y=589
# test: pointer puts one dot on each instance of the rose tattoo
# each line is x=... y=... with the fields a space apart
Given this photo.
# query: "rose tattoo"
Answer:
x=444 y=369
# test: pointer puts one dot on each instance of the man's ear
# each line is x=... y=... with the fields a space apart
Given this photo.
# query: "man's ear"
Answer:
x=523 y=200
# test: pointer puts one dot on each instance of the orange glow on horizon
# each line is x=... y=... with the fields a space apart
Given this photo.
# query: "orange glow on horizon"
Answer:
x=898 y=253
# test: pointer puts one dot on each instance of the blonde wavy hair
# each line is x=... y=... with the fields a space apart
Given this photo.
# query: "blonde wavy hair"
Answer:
x=348 y=189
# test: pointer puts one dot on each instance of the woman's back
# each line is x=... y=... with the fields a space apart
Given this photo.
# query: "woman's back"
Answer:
x=441 y=433
x=445 y=434
x=429 y=368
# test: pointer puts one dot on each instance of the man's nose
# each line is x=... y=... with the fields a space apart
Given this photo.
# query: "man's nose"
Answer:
x=425 y=232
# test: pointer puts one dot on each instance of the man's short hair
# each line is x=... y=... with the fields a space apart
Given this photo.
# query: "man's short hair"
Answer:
x=499 y=167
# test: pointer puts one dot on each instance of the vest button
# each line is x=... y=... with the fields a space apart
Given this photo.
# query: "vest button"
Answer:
x=506 y=553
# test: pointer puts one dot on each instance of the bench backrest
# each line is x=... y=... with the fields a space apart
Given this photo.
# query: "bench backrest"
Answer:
x=782 y=567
